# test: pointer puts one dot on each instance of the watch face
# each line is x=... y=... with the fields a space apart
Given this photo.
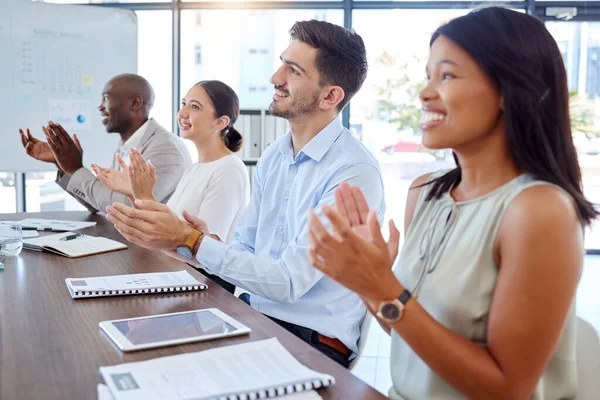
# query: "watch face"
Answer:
x=390 y=311
x=184 y=252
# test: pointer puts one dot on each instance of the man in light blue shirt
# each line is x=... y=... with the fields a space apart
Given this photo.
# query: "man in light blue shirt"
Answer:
x=323 y=67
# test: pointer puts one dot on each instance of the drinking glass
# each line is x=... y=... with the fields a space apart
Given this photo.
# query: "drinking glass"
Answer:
x=11 y=238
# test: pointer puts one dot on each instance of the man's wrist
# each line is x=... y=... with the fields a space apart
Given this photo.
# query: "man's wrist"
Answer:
x=73 y=171
x=146 y=198
x=391 y=292
x=182 y=237
x=197 y=244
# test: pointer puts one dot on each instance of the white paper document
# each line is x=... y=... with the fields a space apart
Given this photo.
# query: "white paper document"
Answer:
x=104 y=393
x=54 y=224
x=307 y=395
x=250 y=370
x=30 y=234
x=133 y=284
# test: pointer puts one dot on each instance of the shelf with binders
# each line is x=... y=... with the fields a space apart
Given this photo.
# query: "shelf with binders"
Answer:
x=259 y=129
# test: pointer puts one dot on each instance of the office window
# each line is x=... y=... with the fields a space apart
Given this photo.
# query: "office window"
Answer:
x=44 y=194
x=250 y=1
x=579 y=44
x=385 y=114
x=102 y=1
x=240 y=47
x=8 y=199
x=198 y=55
x=155 y=55
x=474 y=4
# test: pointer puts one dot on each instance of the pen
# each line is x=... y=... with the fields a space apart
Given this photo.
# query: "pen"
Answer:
x=73 y=236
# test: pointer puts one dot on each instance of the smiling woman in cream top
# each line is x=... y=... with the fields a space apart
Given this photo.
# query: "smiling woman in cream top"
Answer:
x=216 y=189
x=217 y=192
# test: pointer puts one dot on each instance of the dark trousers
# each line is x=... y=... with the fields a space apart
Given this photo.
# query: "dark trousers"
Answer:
x=308 y=335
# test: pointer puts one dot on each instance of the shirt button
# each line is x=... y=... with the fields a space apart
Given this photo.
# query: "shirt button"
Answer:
x=280 y=229
x=286 y=198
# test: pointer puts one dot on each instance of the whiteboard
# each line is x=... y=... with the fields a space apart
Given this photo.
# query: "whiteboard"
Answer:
x=54 y=62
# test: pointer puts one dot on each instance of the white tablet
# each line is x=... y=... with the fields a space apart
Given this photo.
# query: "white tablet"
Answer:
x=170 y=329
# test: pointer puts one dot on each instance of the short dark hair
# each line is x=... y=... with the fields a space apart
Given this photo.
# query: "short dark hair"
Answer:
x=225 y=102
x=341 y=57
x=521 y=57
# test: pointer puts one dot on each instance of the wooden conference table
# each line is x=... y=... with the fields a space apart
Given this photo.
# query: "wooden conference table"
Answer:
x=51 y=345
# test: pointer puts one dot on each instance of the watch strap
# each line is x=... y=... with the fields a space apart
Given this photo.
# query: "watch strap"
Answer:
x=404 y=297
x=192 y=238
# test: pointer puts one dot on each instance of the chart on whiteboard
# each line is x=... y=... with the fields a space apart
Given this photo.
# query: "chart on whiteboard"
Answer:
x=44 y=68
x=73 y=115
x=55 y=60
x=54 y=71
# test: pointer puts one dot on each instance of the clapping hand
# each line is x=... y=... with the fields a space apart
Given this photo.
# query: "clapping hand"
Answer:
x=151 y=225
x=354 y=253
x=142 y=176
x=67 y=151
x=36 y=148
x=115 y=180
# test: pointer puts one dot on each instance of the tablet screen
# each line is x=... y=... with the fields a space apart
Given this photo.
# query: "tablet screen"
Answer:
x=172 y=327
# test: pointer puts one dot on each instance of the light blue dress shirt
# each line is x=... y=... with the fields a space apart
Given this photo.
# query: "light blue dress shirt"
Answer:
x=269 y=255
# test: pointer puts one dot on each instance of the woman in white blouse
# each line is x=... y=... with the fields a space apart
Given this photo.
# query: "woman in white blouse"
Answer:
x=216 y=189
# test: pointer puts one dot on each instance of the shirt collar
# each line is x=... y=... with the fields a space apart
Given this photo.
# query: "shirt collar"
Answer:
x=136 y=139
x=318 y=146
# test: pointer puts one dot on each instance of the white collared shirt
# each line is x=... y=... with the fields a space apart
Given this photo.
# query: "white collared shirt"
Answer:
x=217 y=192
x=134 y=141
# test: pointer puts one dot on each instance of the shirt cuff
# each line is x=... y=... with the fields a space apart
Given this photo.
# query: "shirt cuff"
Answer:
x=211 y=254
x=81 y=175
x=62 y=179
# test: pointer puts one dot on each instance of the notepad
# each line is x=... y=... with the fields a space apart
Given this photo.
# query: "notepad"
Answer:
x=82 y=246
x=251 y=370
x=119 y=285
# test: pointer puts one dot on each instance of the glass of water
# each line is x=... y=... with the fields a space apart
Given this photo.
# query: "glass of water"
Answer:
x=11 y=238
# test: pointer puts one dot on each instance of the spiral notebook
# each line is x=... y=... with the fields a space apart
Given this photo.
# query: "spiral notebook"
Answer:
x=119 y=285
x=105 y=394
x=251 y=370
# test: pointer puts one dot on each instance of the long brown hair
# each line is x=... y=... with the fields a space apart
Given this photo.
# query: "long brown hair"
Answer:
x=520 y=56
